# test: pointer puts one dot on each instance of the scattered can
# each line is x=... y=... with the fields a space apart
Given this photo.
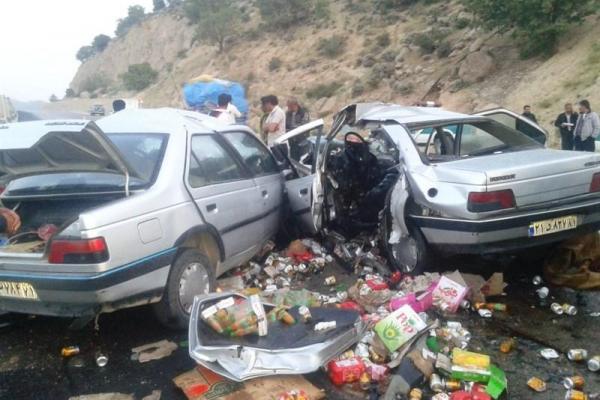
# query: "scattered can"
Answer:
x=537 y=280
x=577 y=354
x=330 y=281
x=537 y=384
x=549 y=354
x=484 y=313
x=508 y=345
x=69 y=351
x=435 y=383
x=305 y=314
x=575 y=395
x=452 y=385
x=543 y=292
x=594 y=364
x=365 y=381
x=325 y=326
x=465 y=304
x=557 y=309
x=101 y=360
x=569 y=309
x=342 y=296
x=415 y=394
x=574 y=382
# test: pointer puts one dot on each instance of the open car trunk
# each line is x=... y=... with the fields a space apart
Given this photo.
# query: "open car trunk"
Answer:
x=42 y=218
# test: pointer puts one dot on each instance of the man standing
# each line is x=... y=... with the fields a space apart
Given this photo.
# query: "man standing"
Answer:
x=296 y=115
x=528 y=114
x=566 y=124
x=9 y=221
x=587 y=128
x=274 y=125
x=226 y=112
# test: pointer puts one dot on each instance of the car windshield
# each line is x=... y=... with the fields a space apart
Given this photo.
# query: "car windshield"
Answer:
x=142 y=151
x=451 y=141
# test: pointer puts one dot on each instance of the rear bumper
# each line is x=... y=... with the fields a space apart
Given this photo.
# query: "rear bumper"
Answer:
x=504 y=234
x=71 y=295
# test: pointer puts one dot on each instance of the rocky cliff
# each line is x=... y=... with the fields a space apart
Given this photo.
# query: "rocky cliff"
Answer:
x=432 y=52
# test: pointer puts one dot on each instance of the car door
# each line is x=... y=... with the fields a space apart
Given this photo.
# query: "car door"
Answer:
x=225 y=193
x=267 y=177
x=517 y=122
x=304 y=146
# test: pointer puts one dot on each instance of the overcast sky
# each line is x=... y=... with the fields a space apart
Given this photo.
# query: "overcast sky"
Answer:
x=39 y=40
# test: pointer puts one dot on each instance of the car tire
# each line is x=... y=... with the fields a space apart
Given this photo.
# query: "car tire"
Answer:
x=191 y=275
x=413 y=256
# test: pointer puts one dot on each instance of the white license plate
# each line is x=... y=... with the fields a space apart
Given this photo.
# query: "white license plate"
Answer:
x=18 y=290
x=546 y=227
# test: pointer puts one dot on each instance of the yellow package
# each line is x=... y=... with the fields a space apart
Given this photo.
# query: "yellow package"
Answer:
x=469 y=359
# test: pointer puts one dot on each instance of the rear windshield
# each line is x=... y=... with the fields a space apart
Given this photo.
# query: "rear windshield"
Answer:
x=446 y=142
x=142 y=151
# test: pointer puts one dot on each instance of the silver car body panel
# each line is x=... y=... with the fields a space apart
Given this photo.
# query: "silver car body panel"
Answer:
x=144 y=231
x=239 y=363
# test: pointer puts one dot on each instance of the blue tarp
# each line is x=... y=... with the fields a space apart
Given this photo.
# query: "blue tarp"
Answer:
x=204 y=95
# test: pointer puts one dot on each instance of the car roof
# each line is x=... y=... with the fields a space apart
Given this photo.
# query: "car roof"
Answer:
x=21 y=135
x=406 y=115
x=160 y=120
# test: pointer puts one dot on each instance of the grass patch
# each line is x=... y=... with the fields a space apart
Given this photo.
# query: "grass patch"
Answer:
x=323 y=90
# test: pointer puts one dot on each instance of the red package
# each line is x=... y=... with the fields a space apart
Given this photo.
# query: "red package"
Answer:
x=478 y=393
x=396 y=278
x=460 y=395
x=376 y=283
x=345 y=371
x=303 y=257
x=350 y=305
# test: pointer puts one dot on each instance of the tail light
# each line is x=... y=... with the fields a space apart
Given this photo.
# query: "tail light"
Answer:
x=491 y=201
x=595 y=185
x=78 y=251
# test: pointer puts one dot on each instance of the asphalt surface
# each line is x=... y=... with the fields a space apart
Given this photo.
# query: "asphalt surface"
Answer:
x=31 y=366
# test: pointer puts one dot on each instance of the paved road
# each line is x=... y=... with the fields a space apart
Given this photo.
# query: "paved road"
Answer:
x=31 y=366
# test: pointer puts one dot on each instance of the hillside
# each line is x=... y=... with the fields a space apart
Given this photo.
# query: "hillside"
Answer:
x=380 y=59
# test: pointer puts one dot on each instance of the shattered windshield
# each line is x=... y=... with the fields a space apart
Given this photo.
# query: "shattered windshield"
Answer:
x=450 y=141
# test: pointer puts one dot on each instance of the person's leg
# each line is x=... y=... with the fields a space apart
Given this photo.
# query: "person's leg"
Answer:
x=577 y=144
x=566 y=140
x=590 y=145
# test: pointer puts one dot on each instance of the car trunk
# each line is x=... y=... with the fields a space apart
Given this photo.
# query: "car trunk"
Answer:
x=42 y=212
x=535 y=176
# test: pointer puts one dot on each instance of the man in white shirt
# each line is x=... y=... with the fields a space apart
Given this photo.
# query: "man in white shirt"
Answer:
x=227 y=112
x=274 y=125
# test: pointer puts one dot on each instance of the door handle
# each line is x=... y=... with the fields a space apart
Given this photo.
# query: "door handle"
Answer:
x=211 y=207
x=303 y=192
x=265 y=193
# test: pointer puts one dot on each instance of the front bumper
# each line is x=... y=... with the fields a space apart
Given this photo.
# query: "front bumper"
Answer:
x=504 y=234
x=284 y=351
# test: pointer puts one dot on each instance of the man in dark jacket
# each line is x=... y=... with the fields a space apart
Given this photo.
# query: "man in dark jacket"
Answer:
x=528 y=114
x=566 y=124
x=296 y=115
x=9 y=222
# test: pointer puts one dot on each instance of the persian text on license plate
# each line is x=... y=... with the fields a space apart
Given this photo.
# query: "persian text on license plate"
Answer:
x=554 y=225
x=18 y=290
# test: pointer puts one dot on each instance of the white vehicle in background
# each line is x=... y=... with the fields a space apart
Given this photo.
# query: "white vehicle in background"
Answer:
x=8 y=113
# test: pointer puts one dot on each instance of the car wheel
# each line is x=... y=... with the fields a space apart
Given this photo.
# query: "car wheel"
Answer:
x=190 y=275
x=412 y=255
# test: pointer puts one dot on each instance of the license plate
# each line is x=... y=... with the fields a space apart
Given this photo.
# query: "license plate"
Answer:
x=546 y=227
x=18 y=290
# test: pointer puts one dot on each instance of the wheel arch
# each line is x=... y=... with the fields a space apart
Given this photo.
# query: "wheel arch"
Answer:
x=206 y=239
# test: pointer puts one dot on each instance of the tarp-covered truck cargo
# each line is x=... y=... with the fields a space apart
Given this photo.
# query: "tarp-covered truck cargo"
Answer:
x=202 y=94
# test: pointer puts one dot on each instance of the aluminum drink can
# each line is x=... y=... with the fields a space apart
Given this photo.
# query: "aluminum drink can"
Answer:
x=465 y=304
x=330 y=280
x=508 y=345
x=577 y=354
x=452 y=385
x=435 y=383
x=594 y=364
x=69 y=351
x=543 y=292
x=569 y=309
x=101 y=360
x=305 y=314
x=557 y=309
x=537 y=280
x=575 y=395
x=574 y=382
x=415 y=394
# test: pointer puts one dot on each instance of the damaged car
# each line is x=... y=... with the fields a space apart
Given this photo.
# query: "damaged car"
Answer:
x=140 y=207
x=429 y=180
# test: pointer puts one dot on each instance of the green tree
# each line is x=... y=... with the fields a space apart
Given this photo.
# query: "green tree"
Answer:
x=158 y=5
x=281 y=14
x=537 y=25
x=100 y=42
x=135 y=14
x=139 y=76
x=85 y=53
x=216 y=20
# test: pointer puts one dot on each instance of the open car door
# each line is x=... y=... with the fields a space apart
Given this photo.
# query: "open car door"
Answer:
x=517 y=122
x=302 y=147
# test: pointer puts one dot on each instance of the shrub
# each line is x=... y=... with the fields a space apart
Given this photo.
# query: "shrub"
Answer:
x=216 y=20
x=139 y=76
x=135 y=15
x=332 y=47
x=69 y=93
x=100 y=43
x=282 y=14
x=95 y=82
x=182 y=54
x=275 y=64
x=383 y=40
x=323 y=90
x=425 y=42
x=358 y=89
x=85 y=53
x=444 y=49
x=322 y=10
x=461 y=23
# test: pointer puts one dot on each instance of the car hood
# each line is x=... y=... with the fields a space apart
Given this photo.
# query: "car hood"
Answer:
x=32 y=148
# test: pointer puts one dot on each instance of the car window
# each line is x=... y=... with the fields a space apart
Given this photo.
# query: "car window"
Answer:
x=210 y=163
x=256 y=157
x=518 y=124
x=142 y=151
x=474 y=139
